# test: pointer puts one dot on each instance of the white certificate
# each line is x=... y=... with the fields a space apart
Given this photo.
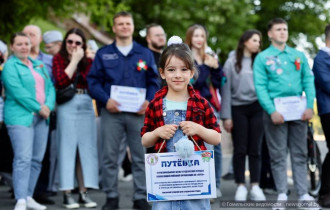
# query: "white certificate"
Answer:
x=168 y=177
x=129 y=98
x=292 y=107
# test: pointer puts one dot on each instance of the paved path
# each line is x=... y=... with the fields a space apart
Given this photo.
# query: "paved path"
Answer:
x=227 y=187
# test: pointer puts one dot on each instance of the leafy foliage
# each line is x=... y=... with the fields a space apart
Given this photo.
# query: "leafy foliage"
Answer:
x=308 y=17
x=15 y=14
x=225 y=20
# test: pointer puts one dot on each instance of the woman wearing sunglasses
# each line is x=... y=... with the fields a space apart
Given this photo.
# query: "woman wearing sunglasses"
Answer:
x=76 y=128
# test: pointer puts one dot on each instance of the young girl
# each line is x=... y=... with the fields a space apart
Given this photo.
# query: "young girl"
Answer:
x=176 y=111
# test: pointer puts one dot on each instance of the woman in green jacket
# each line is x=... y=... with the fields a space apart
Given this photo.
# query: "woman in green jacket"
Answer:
x=30 y=96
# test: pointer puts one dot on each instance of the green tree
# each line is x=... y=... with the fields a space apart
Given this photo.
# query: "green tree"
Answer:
x=303 y=16
x=102 y=12
x=225 y=20
x=15 y=14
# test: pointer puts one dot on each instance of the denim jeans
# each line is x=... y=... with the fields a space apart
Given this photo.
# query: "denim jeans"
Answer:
x=175 y=117
x=29 y=145
x=76 y=132
x=200 y=204
x=218 y=164
x=1 y=109
x=217 y=161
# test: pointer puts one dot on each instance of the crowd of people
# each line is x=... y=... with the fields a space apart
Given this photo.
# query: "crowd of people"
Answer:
x=51 y=118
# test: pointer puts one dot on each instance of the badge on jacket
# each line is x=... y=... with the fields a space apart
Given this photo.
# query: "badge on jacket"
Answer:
x=141 y=65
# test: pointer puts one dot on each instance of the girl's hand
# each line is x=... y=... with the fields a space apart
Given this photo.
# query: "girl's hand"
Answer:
x=211 y=61
x=166 y=131
x=77 y=54
x=190 y=128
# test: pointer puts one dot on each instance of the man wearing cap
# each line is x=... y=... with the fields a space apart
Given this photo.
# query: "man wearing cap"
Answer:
x=53 y=41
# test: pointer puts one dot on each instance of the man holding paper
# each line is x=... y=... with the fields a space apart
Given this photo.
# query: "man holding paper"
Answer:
x=281 y=75
x=123 y=79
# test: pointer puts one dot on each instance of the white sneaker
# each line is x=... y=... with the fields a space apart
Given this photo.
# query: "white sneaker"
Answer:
x=241 y=193
x=281 y=199
x=20 y=204
x=256 y=194
x=32 y=204
x=219 y=194
x=308 y=202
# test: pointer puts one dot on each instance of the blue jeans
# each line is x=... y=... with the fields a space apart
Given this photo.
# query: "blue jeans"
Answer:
x=217 y=161
x=176 y=116
x=218 y=164
x=76 y=132
x=29 y=146
x=1 y=109
x=200 y=204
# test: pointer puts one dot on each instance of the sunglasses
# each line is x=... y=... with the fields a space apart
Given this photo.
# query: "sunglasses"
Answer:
x=71 y=42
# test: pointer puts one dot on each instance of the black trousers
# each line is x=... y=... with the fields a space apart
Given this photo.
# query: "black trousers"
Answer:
x=247 y=136
x=325 y=178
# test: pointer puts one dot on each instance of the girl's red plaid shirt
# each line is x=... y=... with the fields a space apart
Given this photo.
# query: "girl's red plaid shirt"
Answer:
x=198 y=111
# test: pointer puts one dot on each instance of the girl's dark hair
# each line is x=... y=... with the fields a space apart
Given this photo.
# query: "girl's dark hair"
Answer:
x=240 y=48
x=64 y=53
x=12 y=38
x=180 y=51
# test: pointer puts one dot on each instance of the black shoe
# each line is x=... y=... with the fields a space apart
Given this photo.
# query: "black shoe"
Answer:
x=52 y=193
x=43 y=199
x=75 y=190
x=228 y=176
x=112 y=203
x=69 y=202
x=141 y=204
x=86 y=201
